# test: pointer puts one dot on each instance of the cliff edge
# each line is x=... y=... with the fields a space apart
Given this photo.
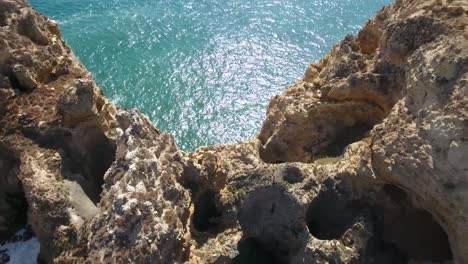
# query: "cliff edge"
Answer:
x=365 y=160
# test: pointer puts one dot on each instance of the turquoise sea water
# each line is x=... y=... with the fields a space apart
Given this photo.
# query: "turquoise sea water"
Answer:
x=203 y=70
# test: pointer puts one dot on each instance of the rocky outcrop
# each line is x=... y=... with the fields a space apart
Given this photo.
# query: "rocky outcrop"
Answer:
x=362 y=161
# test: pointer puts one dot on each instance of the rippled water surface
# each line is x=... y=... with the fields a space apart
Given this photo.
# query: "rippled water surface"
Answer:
x=203 y=70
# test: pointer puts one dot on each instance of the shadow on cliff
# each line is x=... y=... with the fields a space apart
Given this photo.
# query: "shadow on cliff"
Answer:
x=390 y=227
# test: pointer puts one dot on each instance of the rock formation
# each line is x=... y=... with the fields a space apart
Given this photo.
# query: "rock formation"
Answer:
x=363 y=161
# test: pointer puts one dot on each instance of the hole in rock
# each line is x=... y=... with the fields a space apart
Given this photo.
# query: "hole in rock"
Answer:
x=398 y=231
x=206 y=211
x=345 y=137
x=413 y=231
x=273 y=226
x=331 y=214
x=15 y=84
x=99 y=157
x=293 y=175
x=252 y=252
x=13 y=204
x=13 y=213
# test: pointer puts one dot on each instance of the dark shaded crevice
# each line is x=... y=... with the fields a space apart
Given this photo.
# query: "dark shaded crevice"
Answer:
x=412 y=230
x=417 y=234
x=293 y=175
x=378 y=251
x=99 y=157
x=331 y=214
x=398 y=231
x=9 y=170
x=344 y=137
x=190 y=177
x=3 y=20
x=85 y=158
x=91 y=160
x=13 y=204
x=206 y=211
x=252 y=252
x=15 y=84
x=13 y=214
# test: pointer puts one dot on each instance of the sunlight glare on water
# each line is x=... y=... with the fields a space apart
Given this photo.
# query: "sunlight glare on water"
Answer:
x=203 y=70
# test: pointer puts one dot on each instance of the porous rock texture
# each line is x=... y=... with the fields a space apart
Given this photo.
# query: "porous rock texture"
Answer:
x=363 y=161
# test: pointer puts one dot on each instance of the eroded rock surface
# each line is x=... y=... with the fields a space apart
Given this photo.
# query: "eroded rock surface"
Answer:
x=365 y=160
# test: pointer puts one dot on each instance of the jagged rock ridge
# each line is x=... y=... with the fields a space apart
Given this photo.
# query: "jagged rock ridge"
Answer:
x=363 y=161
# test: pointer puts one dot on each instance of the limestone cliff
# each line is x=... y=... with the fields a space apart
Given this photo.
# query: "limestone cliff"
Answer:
x=363 y=161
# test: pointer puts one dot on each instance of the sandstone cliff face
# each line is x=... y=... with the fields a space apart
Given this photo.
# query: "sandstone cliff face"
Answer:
x=363 y=161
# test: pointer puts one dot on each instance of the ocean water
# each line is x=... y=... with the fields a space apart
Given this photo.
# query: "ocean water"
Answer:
x=20 y=251
x=203 y=70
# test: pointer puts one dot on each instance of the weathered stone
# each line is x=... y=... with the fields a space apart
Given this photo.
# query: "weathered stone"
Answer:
x=363 y=161
x=24 y=78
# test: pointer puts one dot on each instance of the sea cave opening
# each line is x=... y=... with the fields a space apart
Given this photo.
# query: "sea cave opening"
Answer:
x=399 y=231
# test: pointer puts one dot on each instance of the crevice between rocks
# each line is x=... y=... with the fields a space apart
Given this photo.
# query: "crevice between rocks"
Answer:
x=13 y=204
x=85 y=157
x=81 y=168
x=15 y=84
x=207 y=211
